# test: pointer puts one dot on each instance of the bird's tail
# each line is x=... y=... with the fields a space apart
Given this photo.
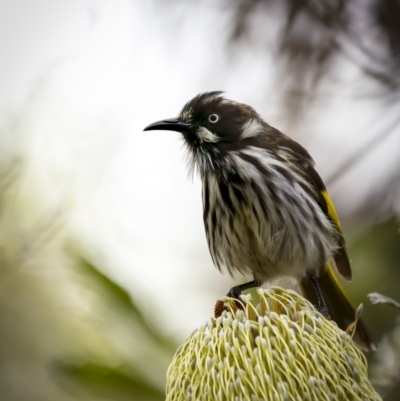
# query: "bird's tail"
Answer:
x=340 y=309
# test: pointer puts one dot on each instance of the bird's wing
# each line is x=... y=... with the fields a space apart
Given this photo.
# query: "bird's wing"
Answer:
x=305 y=164
x=341 y=257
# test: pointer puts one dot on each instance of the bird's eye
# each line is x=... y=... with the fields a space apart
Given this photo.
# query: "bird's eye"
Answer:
x=213 y=118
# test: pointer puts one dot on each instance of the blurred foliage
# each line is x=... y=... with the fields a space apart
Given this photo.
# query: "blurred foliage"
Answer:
x=387 y=365
x=385 y=370
x=314 y=32
x=67 y=330
x=376 y=260
x=117 y=383
x=126 y=380
x=124 y=302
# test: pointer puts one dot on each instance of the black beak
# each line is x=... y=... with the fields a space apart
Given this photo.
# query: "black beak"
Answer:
x=171 y=124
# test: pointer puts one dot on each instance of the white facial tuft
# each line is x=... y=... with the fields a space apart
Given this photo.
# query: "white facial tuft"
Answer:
x=251 y=128
x=207 y=136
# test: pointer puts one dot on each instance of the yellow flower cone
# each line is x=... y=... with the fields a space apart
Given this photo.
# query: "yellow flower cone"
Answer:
x=283 y=349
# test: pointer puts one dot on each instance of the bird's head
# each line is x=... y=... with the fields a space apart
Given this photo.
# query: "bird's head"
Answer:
x=212 y=126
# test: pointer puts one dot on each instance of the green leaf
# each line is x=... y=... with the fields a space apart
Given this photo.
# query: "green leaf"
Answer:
x=108 y=381
x=124 y=301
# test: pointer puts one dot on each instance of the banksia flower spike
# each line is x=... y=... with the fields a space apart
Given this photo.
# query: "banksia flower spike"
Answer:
x=282 y=349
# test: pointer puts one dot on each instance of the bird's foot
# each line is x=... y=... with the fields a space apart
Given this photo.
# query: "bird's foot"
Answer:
x=235 y=293
x=323 y=310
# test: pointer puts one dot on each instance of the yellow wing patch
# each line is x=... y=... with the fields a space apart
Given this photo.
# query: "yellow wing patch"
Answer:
x=331 y=209
x=341 y=258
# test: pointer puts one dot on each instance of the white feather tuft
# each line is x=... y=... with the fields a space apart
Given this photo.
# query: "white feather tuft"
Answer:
x=206 y=135
x=251 y=128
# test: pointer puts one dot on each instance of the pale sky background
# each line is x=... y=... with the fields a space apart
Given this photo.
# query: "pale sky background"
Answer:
x=81 y=79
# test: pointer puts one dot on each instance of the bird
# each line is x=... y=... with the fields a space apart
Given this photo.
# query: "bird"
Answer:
x=266 y=210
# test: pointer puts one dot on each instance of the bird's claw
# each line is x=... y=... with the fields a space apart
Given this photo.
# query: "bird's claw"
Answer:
x=323 y=310
x=234 y=293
